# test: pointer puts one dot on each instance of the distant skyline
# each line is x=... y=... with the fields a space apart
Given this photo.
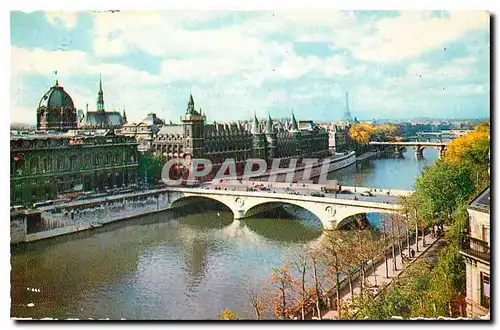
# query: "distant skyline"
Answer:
x=395 y=65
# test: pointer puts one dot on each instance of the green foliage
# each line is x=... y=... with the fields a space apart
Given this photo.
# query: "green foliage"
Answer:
x=442 y=187
x=459 y=225
x=150 y=166
x=446 y=282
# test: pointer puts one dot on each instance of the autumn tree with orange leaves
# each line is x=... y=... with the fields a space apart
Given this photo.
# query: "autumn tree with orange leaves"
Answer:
x=283 y=283
x=471 y=151
x=361 y=133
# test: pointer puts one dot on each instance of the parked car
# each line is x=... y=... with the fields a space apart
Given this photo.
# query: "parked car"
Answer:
x=293 y=193
x=317 y=194
x=346 y=191
x=367 y=194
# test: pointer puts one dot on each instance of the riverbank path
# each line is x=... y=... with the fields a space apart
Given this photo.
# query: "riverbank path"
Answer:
x=375 y=281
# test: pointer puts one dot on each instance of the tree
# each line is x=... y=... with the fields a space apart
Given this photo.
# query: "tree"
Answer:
x=334 y=248
x=314 y=263
x=446 y=282
x=361 y=133
x=227 y=314
x=257 y=299
x=472 y=151
x=283 y=282
x=441 y=187
x=150 y=166
x=300 y=261
x=384 y=133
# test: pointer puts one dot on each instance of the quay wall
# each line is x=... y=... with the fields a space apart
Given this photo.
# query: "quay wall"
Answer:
x=83 y=215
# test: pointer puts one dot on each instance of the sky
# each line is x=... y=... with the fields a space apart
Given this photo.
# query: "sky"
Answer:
x=394 y=65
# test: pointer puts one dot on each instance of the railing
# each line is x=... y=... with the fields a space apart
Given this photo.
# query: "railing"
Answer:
x=476 y=247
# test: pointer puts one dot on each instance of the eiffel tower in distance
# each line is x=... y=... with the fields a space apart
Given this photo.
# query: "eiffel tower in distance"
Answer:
x=347 y=113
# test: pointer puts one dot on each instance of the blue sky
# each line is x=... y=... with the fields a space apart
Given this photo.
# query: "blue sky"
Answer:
x=393 y=64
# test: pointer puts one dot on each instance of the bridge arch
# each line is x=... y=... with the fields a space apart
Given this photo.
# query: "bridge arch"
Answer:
x=269 y=205
x=183 y=201
x=344 y=218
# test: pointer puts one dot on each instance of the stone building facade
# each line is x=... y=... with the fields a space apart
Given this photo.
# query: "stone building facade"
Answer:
x=59 y=158
x=144 y=131
x=267 y=139
x=476 y=251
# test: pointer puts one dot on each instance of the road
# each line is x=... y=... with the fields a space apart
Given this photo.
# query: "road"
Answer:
x=302 y=189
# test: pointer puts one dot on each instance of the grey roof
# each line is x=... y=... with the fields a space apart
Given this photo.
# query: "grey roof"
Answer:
x=482 y=201
x=151 y=119
x=171 y=129
x=103 y=119
x=57 y=98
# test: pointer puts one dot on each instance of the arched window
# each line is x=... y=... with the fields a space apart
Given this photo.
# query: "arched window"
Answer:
x=60 y=163
x=73 y=162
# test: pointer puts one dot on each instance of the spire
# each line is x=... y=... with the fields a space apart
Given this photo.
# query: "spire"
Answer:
x=269 y=124
x=57 y=80
x=100 y=96
x=294 y=127
x=124 y=116
x=190 y=107
x=255 y=124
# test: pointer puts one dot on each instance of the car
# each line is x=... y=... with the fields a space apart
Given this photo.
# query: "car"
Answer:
x=367 y=194
x=317 y=194
x=346 y=191
x=293 y=193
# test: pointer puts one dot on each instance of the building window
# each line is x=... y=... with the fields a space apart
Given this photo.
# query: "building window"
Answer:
x=485 y=290
x=485 y=234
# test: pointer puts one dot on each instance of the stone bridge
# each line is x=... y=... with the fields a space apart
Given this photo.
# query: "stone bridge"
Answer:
x=332 y=212
x=418 y=147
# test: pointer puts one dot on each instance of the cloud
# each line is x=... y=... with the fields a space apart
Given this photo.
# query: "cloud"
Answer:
x=235 y=63
x=412 y=33
x=465 y=60
x=67 y=20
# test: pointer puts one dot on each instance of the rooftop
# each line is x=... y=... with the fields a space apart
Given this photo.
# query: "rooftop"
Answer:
x=481 y=202
x=38 y=135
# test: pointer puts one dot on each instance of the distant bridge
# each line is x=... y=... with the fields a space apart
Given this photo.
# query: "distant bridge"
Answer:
x=332 y=212
x=418 y=147
x=451 y=134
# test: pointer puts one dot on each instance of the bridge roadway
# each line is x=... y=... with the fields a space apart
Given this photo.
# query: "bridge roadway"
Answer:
x=331 y=210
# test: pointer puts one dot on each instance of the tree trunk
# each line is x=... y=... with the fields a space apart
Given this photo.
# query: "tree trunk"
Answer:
x=416 y=232
x=423 y=236
x=408 y=236
x=283 y=312
x=338 y=290
x=385 y=254
x=349 y=278
x=362 y=270
x=399 y=241
x=316 y=285
x=394 y=266
x=303 y=291
x=374 y=272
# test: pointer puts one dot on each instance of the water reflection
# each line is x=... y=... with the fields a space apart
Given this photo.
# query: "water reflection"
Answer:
x=386 y=171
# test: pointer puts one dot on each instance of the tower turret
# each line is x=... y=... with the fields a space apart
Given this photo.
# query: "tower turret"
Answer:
x=271 y=139
x=100 y=97
x=259 y=140
x=193 y=123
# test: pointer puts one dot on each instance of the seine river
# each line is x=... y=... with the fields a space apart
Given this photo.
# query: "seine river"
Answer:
x=175 y=265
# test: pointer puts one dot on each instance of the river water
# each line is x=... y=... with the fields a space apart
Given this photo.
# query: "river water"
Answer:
x=179 y=264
